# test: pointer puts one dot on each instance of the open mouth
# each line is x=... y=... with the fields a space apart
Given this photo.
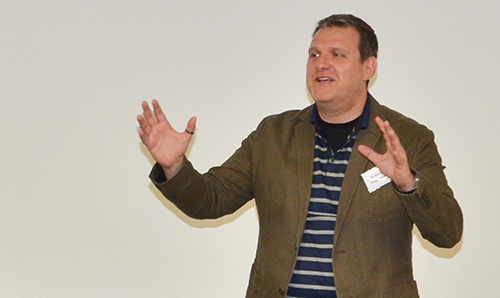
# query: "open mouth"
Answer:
x=325 y=79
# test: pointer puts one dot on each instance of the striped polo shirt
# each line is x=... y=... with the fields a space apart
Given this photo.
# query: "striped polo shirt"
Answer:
x=313 y=275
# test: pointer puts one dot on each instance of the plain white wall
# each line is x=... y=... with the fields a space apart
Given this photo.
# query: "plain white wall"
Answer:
x=78 y=215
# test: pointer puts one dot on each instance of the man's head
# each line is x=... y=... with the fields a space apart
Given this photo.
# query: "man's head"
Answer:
x=337 y=71
x=368 y=44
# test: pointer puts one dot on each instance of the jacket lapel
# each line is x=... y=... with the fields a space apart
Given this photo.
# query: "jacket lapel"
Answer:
x=357 y=165
x=305 y=136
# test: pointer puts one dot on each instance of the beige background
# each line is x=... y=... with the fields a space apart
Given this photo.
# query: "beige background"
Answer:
x=78 y=215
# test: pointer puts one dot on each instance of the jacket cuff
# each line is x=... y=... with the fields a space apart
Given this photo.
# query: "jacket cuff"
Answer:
x=159 y=179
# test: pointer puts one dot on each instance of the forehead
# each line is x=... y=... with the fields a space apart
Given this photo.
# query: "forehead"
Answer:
x=346 y=37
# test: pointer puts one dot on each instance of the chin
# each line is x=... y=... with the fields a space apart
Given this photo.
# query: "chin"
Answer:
x=322 y=99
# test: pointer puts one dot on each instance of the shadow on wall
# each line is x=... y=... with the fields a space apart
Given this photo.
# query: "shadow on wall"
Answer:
x=444 y=253
x=203 y=223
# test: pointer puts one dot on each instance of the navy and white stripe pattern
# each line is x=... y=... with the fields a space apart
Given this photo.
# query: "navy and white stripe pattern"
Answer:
x=313 y=275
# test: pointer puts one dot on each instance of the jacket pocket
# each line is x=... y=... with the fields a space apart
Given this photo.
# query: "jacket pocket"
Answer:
x=408 y=290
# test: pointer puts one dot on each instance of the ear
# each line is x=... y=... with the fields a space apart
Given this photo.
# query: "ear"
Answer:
x=370 y=68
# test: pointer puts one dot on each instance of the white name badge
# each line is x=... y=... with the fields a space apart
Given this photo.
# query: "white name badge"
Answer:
x=374 y=179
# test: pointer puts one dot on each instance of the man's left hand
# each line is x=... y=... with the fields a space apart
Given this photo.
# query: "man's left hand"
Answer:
x=394 y=162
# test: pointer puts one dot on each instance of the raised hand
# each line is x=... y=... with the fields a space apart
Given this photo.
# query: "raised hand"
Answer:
x=394 y=162
x=166 y=145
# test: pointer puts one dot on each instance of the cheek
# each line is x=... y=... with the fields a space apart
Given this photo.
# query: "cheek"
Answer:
x=351 y=75
x=309 y=70
x=309 y=75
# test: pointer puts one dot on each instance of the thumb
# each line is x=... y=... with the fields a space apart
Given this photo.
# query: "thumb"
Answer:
x=191 y=126
x=368 y=153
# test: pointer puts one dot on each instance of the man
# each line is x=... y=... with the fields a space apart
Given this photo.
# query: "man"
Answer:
x=335 y=215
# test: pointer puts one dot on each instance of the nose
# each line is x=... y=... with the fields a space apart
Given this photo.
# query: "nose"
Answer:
x=323 y=63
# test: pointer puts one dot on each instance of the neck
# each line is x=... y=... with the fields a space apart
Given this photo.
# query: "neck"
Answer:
x=341 y=113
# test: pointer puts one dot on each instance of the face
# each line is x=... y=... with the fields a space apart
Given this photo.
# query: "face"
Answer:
x=335 y=73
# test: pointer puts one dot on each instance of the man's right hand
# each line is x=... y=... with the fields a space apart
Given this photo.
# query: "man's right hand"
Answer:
x=166 y=145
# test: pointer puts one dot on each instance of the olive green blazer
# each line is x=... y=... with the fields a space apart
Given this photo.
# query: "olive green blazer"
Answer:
x=372 y=242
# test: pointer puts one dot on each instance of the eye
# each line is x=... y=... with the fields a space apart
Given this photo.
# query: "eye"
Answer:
x=313 y=55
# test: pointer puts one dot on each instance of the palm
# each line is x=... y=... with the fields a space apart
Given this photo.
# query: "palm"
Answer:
x=166 y=145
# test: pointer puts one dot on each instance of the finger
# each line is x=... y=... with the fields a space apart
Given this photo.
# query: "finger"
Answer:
x=369 y=153
x=191 y=126
x=144 y=125
x=160 y=116
x=394 y=145
x=144 y=137
x=380 y=124
x=390 y=137
x=148 y=115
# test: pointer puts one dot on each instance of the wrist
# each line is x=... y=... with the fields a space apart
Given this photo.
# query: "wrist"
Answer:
x=410 y=188
x=171 y=171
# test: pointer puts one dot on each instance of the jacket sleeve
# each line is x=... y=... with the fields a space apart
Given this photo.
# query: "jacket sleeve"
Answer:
x=220 y=191
x=432 y=207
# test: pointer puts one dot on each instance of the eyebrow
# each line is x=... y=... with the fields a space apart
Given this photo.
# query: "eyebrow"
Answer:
x=332 y=49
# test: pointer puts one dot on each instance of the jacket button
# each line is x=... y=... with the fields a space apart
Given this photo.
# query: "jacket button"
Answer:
x=282 y=291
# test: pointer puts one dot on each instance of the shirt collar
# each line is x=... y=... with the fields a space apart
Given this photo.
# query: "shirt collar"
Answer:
x=363 y=120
